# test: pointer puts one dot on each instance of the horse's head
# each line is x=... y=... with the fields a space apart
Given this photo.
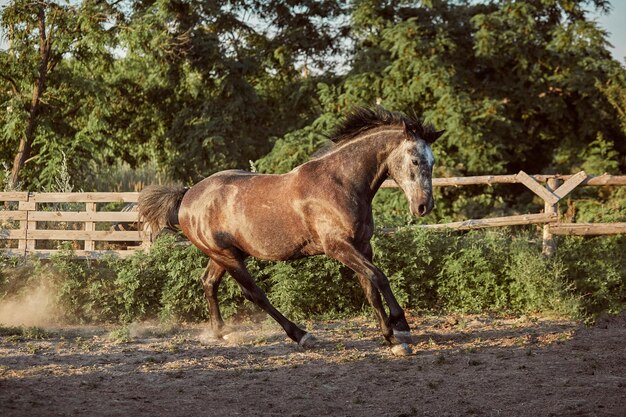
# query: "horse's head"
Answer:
x=411 y=166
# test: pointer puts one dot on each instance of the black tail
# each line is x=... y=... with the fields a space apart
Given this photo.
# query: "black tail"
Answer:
x=158 y=206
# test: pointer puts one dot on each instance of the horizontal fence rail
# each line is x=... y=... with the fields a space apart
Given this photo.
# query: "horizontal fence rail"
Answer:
x=91 y=224
x=100 y=223
x=556 y=188
x=598 y=180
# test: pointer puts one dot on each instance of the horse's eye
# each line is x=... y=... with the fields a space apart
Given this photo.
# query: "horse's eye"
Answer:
x=415 y=161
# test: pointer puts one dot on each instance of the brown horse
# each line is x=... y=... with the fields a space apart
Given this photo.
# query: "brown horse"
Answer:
x=321 y=207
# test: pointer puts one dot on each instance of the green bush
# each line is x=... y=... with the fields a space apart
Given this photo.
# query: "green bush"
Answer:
x=538 y=284
x=17 y=275
x=471 y=277
x=182 y=296
x=473 y=272
x=86 y=290
x=311 y=287
x=411 y=258
x=497 y=271
x=596 y=268
x=139 y=282
x=163 y=282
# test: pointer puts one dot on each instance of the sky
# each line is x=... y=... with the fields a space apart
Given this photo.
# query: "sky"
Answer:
x=614 y=23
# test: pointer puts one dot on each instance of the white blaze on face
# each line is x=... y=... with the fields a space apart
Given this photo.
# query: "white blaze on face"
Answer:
x=428 y=154
x=430 y=160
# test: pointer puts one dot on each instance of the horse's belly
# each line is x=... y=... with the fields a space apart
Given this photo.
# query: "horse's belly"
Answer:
x=277 y=240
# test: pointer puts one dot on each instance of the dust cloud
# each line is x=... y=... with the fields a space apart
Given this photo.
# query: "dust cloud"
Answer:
x=34 y=307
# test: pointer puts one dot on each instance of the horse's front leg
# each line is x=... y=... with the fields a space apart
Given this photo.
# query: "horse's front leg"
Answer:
x=373 y=296
x=348 y=255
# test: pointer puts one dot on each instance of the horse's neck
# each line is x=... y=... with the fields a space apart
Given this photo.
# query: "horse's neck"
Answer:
x=363 y=162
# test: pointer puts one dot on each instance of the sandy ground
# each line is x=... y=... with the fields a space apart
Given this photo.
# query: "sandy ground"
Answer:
x=460 y=366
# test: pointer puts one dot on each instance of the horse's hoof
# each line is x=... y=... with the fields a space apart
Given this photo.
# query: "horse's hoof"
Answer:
x=403 y=337
x=401 y=350
x=307 y=341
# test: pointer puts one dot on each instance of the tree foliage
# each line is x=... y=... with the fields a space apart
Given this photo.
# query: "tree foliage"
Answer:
x=512 y=82
x=517 y=85
x=192 y=87
x=50 y=75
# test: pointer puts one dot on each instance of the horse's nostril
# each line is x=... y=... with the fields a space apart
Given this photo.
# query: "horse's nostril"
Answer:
x=421 y=209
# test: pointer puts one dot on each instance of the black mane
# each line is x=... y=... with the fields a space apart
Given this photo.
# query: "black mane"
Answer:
x=361 y=119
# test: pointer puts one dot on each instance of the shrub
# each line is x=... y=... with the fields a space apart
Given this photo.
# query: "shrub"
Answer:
x=18 y=275
x=163 y=282
x=500 y=271
x=471 y=278
x=537 y=283
x=312 y=287
x=473 y=272
x=411 y=258
x=182 y=296
x=86 y=290
x=596 y=268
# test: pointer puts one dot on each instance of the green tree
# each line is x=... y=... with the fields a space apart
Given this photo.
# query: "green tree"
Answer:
x=512 y=82
x=518 y=85
x=206 y=86
x=194 y=86
x=42 y=92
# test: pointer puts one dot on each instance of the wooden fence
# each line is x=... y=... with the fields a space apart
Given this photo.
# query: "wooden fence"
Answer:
x=36 y=223
x=556 y=188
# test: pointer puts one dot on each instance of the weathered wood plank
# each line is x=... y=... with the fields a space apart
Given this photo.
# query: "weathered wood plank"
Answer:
x=100 y=235
x=495 y=222
x=14 y=196
x=570 y=184
x=474 y=180
x=12 y=251
x=548 y=243
x=12 y=215
x=605 y=179
x=90 y=226
x=6 y=234
x=588 y=229
x=27 y=225
x=95 y=197
x=460 y=181
x=532 y=184
x=599 y=180
x=80 y=254
x=82 y=216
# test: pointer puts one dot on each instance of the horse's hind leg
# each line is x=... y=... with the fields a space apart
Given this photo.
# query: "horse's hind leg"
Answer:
x=255 y=294
x=211 y=279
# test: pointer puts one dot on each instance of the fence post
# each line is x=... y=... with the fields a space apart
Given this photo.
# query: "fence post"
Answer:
x=549 y=244
x=27 y=245
x=89 y=226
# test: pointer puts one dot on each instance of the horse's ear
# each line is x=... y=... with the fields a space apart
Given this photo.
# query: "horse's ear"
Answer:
x=406 y=129
x=430 y=137
x=409 y=132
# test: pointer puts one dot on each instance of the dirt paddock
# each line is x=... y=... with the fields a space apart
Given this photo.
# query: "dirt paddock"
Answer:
x=460 y=366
